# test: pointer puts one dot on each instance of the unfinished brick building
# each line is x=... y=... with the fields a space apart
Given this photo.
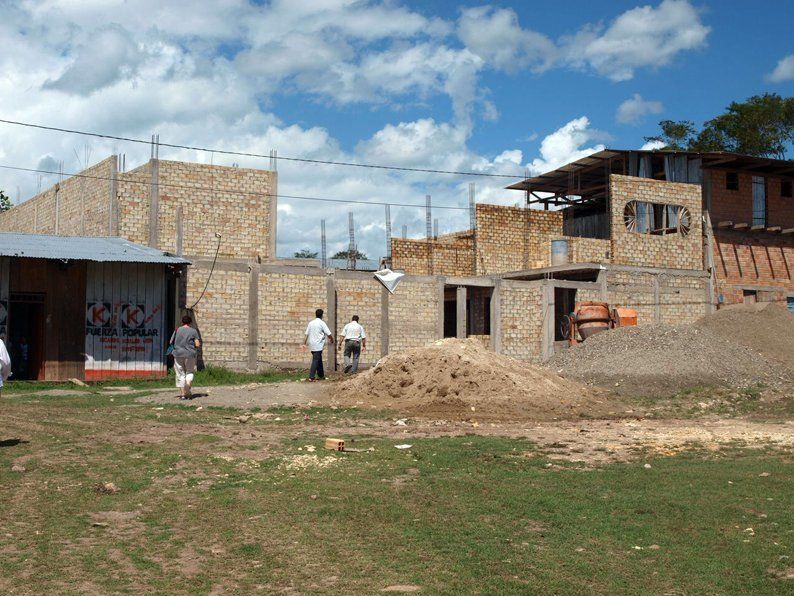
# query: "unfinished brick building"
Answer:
x=631 y=231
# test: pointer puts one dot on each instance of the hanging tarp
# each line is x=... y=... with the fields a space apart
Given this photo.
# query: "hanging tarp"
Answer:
x=390 y=279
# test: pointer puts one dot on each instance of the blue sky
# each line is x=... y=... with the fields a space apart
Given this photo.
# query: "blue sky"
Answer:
x=489 y=87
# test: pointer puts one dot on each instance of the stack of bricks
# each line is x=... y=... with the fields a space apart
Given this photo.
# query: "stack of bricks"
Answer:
x=673 y=250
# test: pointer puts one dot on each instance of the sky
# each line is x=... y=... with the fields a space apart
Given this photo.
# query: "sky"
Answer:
x=491 y=88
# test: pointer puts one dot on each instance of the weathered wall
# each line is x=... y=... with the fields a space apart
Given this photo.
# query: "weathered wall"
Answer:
x=77 y=206
x=132 y=199
x=646 y=250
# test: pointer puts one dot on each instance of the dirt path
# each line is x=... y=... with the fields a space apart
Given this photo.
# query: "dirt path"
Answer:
x=256 y=395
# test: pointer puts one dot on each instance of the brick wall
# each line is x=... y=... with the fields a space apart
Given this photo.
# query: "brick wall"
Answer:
x=672 y=250
x=737 y=205
x=83 y=205
x=521 y=306
x=286 y=305
x=360 y=296
x=414 y=313
x=450 y=255
x=753 y=261
x=222 y=315
x=588 y=250
x=133 y=195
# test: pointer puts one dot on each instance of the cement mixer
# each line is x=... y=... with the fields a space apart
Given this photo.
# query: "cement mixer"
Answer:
x=590 y=318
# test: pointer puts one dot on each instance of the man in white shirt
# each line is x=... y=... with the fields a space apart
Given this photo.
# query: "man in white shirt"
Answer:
x=355 y=340
x=5 y=364
x=316 y=332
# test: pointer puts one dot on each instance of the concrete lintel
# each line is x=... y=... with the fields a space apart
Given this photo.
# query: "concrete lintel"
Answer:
x=544 y=272
x=347 y=274
x=460 y=304
x=292 y=270
x=656 y=270
x=575 y=285
x=241 y=266
x=482 y=282
x=522 y=283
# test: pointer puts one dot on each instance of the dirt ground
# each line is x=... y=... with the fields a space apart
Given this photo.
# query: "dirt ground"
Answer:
x=622 y=433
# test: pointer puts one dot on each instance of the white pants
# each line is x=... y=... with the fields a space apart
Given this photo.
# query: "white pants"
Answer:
x=184 y=368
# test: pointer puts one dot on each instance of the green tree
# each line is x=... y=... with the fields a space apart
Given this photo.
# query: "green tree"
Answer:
x=305 y=254
x=676 y=135
x=762 y=126
x=343 y=254
x=5 y=202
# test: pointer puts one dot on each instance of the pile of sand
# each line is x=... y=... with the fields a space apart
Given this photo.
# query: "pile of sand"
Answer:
x=738 y=347
x=462 y=379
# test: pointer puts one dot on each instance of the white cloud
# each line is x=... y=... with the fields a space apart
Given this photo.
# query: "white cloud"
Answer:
x=653 y=145
x=495 y=35
x=784 y=71
x=634 y=109
x=565 y=145
x=641 y=37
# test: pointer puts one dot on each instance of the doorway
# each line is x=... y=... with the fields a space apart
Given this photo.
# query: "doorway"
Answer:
x=26 y=336
x=564 y=304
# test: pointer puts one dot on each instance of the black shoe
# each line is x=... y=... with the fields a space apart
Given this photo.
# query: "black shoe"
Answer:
x=348 y=367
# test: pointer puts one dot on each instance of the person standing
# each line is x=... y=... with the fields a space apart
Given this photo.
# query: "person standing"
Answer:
x=316 y=332
x=186 y=343
x=355 y=340
x=5 y=364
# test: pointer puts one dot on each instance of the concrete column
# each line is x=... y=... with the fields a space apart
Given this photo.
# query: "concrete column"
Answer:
x=602 y=281
x=440 y=320
x=547 y=345
x=253 y=316
x=112 y=197
x=384 y=322
x=657 y=300
x=460 y=298
x=180 y=232
x=154 y=201
x=57 y=210
x=273 y=218
x=496 y=317
x=330 y=297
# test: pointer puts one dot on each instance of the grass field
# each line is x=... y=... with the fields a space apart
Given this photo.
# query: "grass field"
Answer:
x=208 y=504
x=208 y=377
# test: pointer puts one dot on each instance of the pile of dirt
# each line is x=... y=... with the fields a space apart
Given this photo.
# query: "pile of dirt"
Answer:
x=765 y=328
x=461 y=379
x=741 y=347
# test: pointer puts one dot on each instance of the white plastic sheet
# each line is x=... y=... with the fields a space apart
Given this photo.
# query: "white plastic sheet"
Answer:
x=390 y=279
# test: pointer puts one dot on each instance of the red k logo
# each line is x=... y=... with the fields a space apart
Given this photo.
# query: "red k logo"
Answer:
x=98 y=314
x=132 y=315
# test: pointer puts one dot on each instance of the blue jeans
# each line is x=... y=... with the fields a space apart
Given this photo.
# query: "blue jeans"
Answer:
x=317 y=365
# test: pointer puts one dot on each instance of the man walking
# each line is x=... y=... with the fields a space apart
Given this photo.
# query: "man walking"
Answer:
x=316 y=332
x=355 y=340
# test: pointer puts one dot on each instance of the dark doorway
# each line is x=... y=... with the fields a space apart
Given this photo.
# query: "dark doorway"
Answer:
x=450 y=318
x=564 y=303
x=26 y=336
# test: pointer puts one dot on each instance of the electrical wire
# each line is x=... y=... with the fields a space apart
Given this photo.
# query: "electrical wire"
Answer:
x=209 y=277
x=133 y=180
x=259 y=155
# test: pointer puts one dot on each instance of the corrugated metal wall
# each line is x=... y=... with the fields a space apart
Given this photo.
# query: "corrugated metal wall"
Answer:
x=125 y=320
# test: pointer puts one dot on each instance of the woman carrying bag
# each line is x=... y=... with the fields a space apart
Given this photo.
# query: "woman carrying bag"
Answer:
x=184 y=347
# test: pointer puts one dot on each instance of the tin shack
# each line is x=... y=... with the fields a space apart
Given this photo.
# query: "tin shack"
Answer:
x=86 y=308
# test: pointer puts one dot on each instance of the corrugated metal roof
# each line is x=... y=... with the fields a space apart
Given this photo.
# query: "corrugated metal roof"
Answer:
x=361 y=264
x=82 y=248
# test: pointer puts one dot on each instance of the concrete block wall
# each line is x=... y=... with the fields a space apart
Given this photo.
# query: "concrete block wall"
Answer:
x=77 y=206
x=415 y=313
x=522 y=325
x=588 y=250
x=133 y=194
x=450 y=255
x=646 y=250
x=286 y=305
x=360 y=296
x=222 y=314
x=513 y=239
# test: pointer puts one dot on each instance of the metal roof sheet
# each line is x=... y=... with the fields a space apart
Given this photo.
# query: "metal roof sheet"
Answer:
x=83 y=248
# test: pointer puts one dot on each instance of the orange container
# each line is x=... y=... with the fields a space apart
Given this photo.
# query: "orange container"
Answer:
x=625 y=317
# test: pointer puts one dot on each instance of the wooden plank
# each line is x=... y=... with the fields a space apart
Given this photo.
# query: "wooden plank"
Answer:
x=741 y=226
x=787 y=231
x=774 y=229
x=725 y=224
x=757 y=228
